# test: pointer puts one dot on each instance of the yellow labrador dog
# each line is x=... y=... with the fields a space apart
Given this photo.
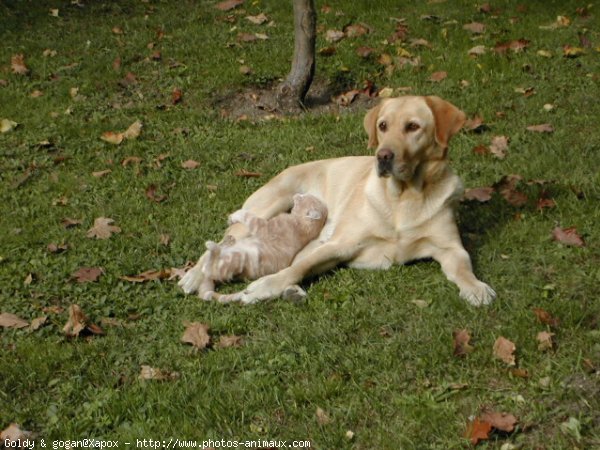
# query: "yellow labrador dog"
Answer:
x=392 y=208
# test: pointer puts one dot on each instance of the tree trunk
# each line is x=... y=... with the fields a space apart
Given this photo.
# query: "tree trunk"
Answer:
x=291 y=93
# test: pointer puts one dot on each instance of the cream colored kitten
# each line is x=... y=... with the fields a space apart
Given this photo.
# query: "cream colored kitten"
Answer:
x=270 y=246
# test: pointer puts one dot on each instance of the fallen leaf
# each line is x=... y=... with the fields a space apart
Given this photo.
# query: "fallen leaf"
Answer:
x=176 y=96
x=117 y=30
x=228 y=4
x=101 y=173
x=364 y=52
x=543 y=128
x=478 y=430
x=545 y=340
x=572 y=52
x=258 y=19
x=544 y=203
x=504 y=350
x=247 y=70
x=79 y=322
x=545 y=317
x=499 y=146
x=17 y=64
x=131 y=160
x=148 y=275
x=54 y=12
x=481 y=194
x=8 y=320
x=196 y=334
x=70 y=223
x=36 y=94
x=519 y=373
x=516 y=46
x=14 y=433
x=438 y=76
x=500 y=421
x=103 y=228
x=478 y=50
x=7 y=125
x=57 y=248
x=475 y=124
x=322 y=417
x=152 y=373
x=507 y=188
x=229 y=341
x=190 y=164
x=568 y=236
x=37 y=323
x=474 y=27
x=247 y=174
x=134 y=130
x=28 y=279
x=87 y=274
x=347 y=97
x=481 y=150
x=544 y=53
x=164 y=239
x=151 y=194
x=246 y=37
x=116 y=64
x=112 y=137
x=461 y=344
x=420 y=43
x=355 y=30
x=334 y=35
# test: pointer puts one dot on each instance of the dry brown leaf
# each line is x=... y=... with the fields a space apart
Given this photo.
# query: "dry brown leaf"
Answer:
x=334 y=35
x=322 y=417
x=37 y=323
x=148 y=275
x=499 y=146
x=474 y=27
x=568 y=236
x=103 y=228
x=112 y=138
x=347 y=97
x=516 y=46
x=57 y=248
x=87 y=274
x=258 y=19
x=176 y=96
x=545 y=341
x=9 y=320
x=101 y=173
x=461 y=342
x=481 y=194
x=164 y=239
x=545 y=317
x=131 y=160
x=14 y=433
x=438 y=76
x=507 y=188
x=196 y=334
x=355 y=30
x=228 y=4
x=505 y=350
x=420 y=43
x=152 y=195
x=542 y=128
x=247 y=174
x=152 y=373
x=229 y=341
x=134 y=130
x=17 y=64
x=500 y=421
x=7 y=125
x=190 y=164
x=478 y=50
x=544 y=203
x=572 y=52
x=79 y=322
x=478 y=430
x=70 y=223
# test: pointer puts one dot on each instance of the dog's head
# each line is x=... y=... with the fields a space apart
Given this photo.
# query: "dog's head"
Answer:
x=408 y=131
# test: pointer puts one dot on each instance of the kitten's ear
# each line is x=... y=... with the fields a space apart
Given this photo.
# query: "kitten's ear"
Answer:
x=313 y=214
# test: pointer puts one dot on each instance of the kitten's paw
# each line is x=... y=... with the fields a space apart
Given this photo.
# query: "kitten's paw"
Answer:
x=237 y=217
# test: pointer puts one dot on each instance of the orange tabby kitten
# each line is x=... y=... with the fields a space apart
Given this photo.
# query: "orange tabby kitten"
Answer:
x=270 y=246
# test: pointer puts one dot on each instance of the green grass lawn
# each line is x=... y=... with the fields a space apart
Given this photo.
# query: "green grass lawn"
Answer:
x=379 y=364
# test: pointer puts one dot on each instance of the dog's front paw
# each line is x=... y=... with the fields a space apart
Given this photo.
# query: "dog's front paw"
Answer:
x=237 y=217
x=265 y=288
x=478 y=294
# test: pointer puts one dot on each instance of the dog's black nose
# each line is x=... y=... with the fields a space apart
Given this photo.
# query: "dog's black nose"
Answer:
x=385 y=154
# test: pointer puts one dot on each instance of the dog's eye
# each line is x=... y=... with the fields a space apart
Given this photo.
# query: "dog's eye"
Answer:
x=412 y=126
x=383 y=126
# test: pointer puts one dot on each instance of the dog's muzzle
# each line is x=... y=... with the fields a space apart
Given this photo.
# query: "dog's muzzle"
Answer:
x=385 y=162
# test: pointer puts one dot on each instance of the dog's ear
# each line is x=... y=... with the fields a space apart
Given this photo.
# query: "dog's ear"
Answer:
x=370 y=123
x=448 y=119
